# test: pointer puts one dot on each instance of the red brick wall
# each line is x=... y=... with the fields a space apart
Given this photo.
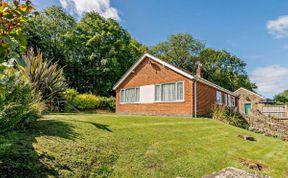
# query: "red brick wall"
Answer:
x=206 y=99
x=155 y=73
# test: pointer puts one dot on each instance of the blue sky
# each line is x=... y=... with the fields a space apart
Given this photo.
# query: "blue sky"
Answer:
x=256 y=31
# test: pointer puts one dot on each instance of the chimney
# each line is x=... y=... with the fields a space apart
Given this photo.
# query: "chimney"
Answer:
x=199 y=71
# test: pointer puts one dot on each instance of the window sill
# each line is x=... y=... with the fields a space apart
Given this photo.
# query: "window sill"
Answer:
x=131 y=103
x=180 y=101
x=155 y=102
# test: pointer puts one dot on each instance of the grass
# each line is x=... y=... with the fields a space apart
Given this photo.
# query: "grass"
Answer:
x=107 y=145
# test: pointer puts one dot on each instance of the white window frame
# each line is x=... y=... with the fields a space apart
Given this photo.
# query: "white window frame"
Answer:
x=229 y=101
x=233 y=101
x=226 y=99
x=121 y=102
x=219 y=93
x=176 y=90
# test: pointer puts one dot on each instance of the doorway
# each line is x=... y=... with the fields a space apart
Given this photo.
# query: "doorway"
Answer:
x=247 y=108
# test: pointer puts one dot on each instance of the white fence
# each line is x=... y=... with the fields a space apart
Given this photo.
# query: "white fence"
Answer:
x=276 y=111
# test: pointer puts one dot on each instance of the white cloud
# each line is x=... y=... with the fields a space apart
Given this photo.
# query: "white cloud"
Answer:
x=270 y=80
x=103 y=7
x=279 y=27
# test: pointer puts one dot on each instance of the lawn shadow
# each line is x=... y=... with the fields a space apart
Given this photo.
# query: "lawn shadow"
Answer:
x=18 y=158
x=97 y=125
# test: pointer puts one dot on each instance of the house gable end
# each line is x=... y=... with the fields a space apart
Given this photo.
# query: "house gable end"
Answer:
x=152 y=58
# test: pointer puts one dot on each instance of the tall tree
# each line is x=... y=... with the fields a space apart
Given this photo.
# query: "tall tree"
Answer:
x=101 y=52
x=220 y=67
x=47 y=31
x=225 y=69
x=94 y=51
x=180 y=49
x=282 y=98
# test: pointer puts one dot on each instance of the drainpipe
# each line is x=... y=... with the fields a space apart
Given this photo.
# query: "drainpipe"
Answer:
x=195 y=97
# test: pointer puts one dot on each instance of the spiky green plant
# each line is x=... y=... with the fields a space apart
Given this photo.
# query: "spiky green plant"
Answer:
x=47 y=78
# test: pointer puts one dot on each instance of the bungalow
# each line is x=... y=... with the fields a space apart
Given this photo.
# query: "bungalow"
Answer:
x=154 y=87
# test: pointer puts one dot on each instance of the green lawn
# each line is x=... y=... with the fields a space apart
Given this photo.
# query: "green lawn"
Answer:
x=91 y=145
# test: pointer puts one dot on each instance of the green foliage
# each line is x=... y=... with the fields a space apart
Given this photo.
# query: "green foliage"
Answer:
x=69 y=94
x=180 y=49
x=224 y=69
x=220 y=67
x=19 y=104
x=230 y=116
x=86 y=101
x=46 y=77
x=282 y=98
x=107 y=103
x=13 y=15
x=48 y=30
x=95 y=51
x=107 y=51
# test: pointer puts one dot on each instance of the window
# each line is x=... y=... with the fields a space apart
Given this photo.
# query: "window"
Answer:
x=229 y=100
x=233 y=101
x=226 y=100
x=180 y=89
x=218 y=97
x=157 y=92
x=122 y=96
x=130 y=95
x=169 y=92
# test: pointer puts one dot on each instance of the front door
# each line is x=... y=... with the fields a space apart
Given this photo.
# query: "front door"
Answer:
x=247 y=108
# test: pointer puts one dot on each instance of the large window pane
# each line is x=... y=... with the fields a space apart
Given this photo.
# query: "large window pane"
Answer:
x=137 y=95
x=180 y=91
x=122 y=96
x=232 y=101
x=219 y=97
x=131 y=95
x=157 y=92
x=229 y=100
x=168 y=92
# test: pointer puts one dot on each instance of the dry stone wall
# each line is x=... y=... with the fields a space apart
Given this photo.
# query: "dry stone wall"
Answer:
x=267 y=125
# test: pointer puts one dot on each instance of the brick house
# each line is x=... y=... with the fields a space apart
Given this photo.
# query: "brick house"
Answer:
x=154 y=87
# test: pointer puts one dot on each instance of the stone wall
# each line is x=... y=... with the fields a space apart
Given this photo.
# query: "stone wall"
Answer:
x=267 y=125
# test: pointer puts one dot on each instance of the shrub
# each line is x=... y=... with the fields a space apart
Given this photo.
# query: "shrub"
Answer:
x=230 y=116
x=107 y=103
x=46 y=77
x=19 y=103
x=86 y=101
x=69 y=94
